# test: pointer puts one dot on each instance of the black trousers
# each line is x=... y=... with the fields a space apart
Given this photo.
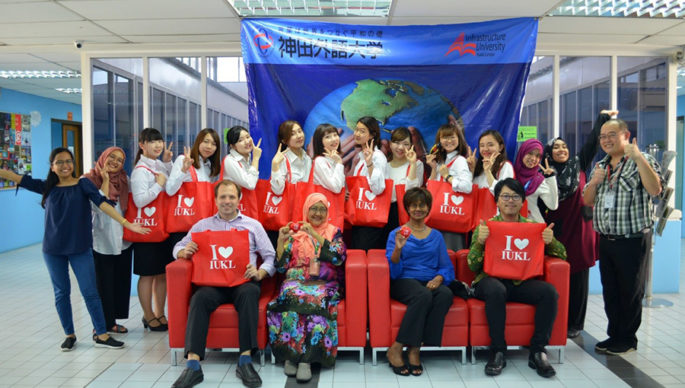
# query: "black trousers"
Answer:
x=577 y=299
x=496 y=292
x=205 y=300
x=113 y=277
x=366 y=237
x=622 y=268
x=426 y=311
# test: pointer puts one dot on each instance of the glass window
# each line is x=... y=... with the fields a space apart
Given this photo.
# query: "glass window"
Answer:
x=170 y=124
x=123 y=108
x=538 y=97
x=183 y=132
x=157 y=106
x=103 y=123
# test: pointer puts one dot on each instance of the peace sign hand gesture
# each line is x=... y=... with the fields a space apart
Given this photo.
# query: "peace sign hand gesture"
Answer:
x=278 y=158
x=103 y=173
x=490 y=161
x=471 y=158
x=168 y=153
x=430 y=160
x=547 y=170
x=187 y=160
x=333 y=154
x=411 y=155
x=256 y=151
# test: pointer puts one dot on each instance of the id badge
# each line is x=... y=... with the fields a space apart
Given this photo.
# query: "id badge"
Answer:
x=609 y=199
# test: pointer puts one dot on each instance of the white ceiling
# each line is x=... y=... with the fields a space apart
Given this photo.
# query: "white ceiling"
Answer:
x=39 y=34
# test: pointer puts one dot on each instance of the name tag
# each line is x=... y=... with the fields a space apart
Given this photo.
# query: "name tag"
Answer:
x=609 y=200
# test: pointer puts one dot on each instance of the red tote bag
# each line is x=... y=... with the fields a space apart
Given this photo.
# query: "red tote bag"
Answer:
x=248 y=198
x=487 y=207
x=221 y=258
x=451 y=211
x=514 y=250
x=401 y=212
x=274 y=210
x=191 y=203
x=363 y=207
x=336 y=201
x=150 y=216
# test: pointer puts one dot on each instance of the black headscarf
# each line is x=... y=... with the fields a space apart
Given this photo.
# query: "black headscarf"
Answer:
x=568 y=173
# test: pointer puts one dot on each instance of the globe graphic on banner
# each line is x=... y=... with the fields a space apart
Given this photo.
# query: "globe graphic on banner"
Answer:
x=394 y=103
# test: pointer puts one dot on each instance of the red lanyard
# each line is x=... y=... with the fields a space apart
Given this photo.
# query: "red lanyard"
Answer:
x=618 y=173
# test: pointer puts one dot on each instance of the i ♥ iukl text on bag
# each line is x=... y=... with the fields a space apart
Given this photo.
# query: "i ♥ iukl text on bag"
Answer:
x=221 y=259
x=191 y=203
x=514 y=250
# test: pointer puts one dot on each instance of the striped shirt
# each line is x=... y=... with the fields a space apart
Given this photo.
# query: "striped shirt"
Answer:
x=622 y=204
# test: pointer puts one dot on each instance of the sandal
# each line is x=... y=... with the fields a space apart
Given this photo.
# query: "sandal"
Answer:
x=416 y=370
x=164 y=318
x=118 y=329
x=401 y=370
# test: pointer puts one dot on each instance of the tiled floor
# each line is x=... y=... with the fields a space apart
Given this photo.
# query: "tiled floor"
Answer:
x=30 y=335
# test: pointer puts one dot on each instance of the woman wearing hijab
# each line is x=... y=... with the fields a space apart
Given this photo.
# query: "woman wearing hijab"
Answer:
x=111 y=254
x=572 y=220
x=302 y=320
x=539 y=182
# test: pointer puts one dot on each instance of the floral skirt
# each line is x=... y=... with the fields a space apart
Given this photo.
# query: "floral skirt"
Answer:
x=303 y=323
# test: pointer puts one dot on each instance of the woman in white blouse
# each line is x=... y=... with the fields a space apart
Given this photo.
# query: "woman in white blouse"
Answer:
x=293 y=164
x=329 y=170
x=150 y=259
x=204 y=156
x=538 y=181
x=403 y=168
x=492 y=164
x=372 y=164
x=448 y=163
x=241 y=165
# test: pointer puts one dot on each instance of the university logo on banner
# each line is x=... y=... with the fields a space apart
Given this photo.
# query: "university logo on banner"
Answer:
x=514 y=250
x=418 y=77
x=221 y=258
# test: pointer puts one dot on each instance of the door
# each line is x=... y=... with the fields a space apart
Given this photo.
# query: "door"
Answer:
x=71 y=139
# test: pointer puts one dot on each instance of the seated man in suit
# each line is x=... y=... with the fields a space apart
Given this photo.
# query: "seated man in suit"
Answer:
x=509 y=195
x=245 y=297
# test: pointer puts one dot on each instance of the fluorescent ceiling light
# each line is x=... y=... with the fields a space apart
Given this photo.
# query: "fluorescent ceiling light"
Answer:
x=670 y=9
x=70 y=90
x=13 y=74
x=284 y=8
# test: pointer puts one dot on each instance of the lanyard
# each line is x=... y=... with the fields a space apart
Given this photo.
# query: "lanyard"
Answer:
x=618 y=172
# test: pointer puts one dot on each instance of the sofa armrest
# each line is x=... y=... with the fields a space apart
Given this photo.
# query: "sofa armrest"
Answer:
x=557 y=273
x=463 y=272
x=356 y=297
x=179 y=291
x=379 y=298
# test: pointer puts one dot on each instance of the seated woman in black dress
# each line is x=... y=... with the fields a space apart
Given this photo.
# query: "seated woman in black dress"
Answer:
x=420 y=271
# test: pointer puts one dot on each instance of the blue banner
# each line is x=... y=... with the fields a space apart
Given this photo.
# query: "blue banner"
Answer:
x=405 y=76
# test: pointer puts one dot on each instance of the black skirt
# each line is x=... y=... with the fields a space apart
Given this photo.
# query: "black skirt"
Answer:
x=150 y=259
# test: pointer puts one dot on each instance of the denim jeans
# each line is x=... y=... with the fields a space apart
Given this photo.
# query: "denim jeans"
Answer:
x=84 y=269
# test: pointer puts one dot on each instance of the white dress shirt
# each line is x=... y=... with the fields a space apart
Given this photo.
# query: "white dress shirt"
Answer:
x=400 y=176
x=377 y=178
x=329 y=174
x=507 y=171
x=108 y=234
x=144 y=186
x=299 y=171
x=239 y=170
x=549 y=193
x=177 y=176
x=462 y=178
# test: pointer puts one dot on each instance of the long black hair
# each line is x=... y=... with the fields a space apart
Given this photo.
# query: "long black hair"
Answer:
x=147 y=134
x=52 y=180
x=499 y=161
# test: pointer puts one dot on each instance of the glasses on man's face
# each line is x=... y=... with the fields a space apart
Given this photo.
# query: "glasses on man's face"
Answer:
x=608 y=135
x=316 y=209
x=63 y=162
x=510 y=197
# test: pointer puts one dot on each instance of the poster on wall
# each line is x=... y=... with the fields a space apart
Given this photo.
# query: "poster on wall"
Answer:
x=15 y=145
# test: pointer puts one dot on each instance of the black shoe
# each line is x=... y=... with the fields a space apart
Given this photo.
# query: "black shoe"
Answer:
x=539 y=362
x=188 y=378
x=572 y=333
x=249 y=376
x=108 y=343
x=68 y=344
x=495 y=364
x=602 y=346
x=620 y=349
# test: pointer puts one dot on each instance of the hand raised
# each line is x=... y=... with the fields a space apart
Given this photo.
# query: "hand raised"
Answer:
x=278 y=157
x=256 y=151
x=333 y=154
x=483 y=232
x=367 y=151
x=547 y=170
x=411 y=155
x=168 y=153
x=187 y=160
x=471 y=158
x=430 y=160
x=631 y=150
x=548 y=234
x=598 y=175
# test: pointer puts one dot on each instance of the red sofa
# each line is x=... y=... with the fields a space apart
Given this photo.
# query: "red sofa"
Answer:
x=520 y=317
x=223 y=323
x=385 y=314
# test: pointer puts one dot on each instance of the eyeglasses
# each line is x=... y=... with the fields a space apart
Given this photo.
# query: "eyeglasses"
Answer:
x=63 y=162
x=510 y=197
x=610 y=135
x=316 y=209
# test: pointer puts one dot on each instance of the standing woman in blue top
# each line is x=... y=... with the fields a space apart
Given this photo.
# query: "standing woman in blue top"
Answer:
x=420 y=271
x=150 y=258
x=372 y=164
x=68 y=240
